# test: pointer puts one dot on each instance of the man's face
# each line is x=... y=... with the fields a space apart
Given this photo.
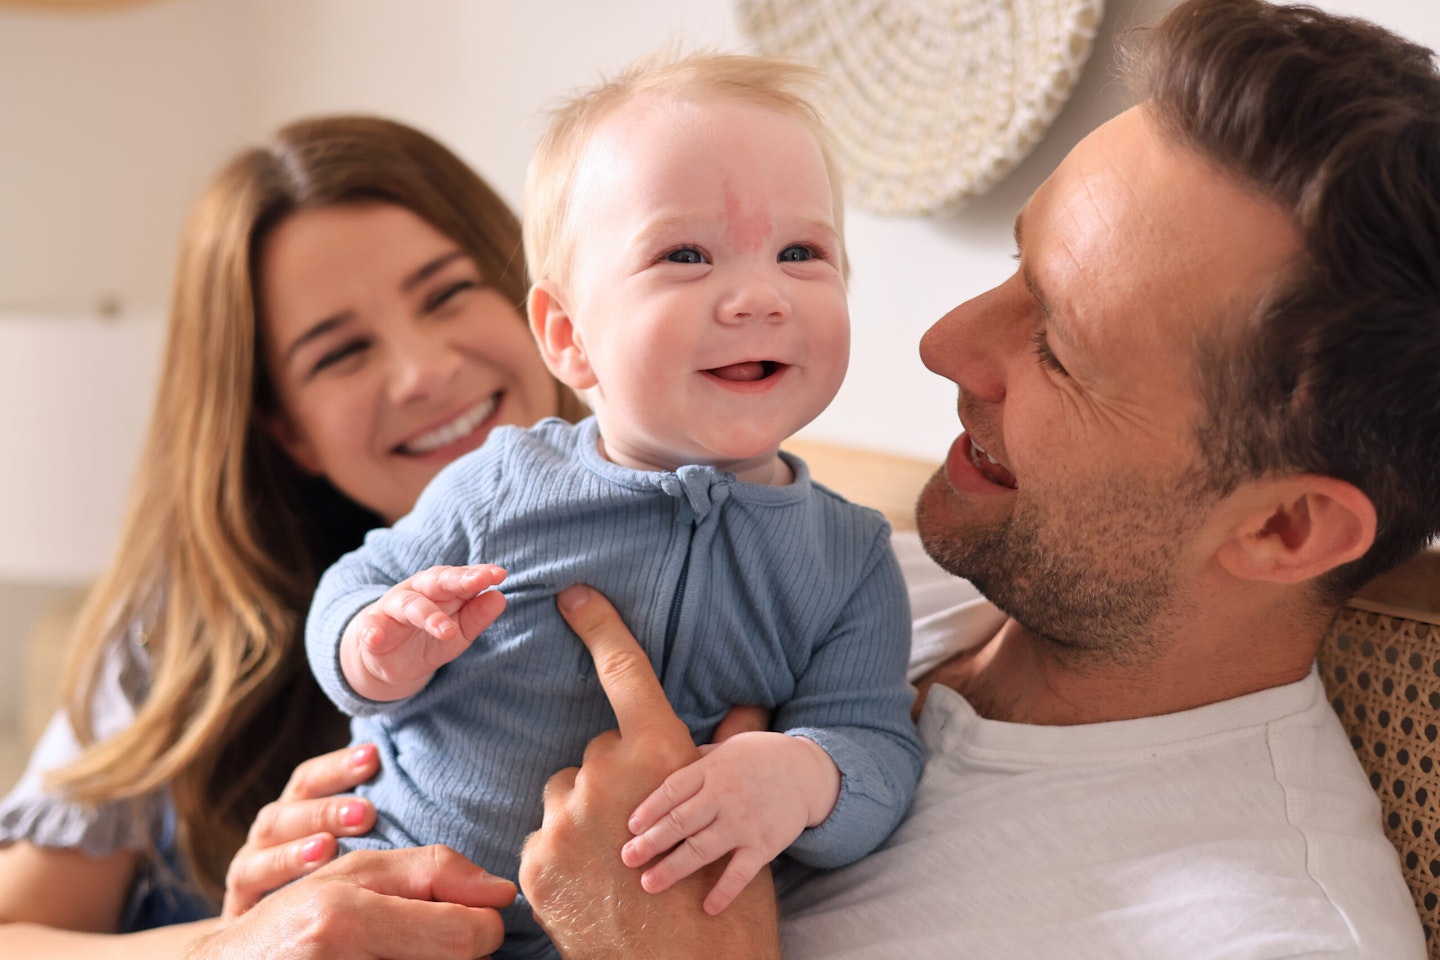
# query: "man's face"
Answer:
x=1074 y=498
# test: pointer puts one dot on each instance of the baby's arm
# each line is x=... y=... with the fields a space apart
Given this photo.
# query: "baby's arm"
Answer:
x=392 y=647
x=750 y=797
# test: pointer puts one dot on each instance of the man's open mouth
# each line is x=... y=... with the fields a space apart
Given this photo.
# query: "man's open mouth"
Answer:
x=990 y=467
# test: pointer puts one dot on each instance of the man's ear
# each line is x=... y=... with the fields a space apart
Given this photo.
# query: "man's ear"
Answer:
x=1293 y=529
x=561 y=345
x=295 y=444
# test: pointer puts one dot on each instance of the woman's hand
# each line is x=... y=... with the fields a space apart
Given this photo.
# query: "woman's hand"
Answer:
x=296 y=834
x=425 y=903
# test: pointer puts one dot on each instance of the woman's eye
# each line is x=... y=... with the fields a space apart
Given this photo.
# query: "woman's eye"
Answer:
x=339 y=354
x=685 y=255
x=796 y=253
x=444 y=294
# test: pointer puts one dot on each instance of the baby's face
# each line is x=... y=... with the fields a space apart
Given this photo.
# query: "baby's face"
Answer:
x=705 y=285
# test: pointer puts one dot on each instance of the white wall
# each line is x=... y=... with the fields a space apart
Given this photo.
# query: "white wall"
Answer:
x=109 y=123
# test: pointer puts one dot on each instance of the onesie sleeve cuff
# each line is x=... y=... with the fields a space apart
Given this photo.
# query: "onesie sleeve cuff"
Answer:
x=323 y=646
x=868 y=808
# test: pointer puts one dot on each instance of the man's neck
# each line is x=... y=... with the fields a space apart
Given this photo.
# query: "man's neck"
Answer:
x=1018 y=677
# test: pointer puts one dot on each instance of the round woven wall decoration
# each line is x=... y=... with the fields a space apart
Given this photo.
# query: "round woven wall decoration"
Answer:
x=931 y=102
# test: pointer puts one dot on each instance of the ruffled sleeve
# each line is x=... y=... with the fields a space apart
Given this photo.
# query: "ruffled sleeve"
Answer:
x=32 y=813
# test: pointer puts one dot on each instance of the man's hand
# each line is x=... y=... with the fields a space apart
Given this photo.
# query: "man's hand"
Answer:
x=588 y=901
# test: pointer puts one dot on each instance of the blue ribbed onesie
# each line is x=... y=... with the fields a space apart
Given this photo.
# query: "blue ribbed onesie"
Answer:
x=787 y=597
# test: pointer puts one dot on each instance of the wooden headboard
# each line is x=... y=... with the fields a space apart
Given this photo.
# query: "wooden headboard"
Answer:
x=885 y=481
x=1411 y=591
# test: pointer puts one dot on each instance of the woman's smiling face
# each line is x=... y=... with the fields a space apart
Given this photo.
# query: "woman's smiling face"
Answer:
x=389 y=353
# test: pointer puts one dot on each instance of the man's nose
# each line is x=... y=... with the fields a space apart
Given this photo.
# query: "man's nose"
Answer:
x=974 y=344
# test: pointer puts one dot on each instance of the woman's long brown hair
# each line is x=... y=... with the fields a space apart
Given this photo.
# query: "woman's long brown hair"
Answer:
x=224 y=538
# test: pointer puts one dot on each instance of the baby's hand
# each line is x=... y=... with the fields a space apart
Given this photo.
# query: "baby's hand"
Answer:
x=393 y=647
x=752 y=794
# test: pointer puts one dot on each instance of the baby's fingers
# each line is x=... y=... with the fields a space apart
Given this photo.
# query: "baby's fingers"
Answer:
x=684 y=823
x=696 y=851
x=475 y=615
x=404 y=608
x=738 y=872
x=428 y=600
x=455 y=583
x=677 y=788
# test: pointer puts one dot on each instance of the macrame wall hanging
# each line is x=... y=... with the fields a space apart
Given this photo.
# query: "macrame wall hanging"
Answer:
x=931 y=102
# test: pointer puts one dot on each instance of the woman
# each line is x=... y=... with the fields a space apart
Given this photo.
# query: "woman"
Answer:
x=344 y=324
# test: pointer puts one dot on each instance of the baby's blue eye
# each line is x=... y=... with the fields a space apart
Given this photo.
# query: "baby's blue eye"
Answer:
x=795 y=254
x=685 y=255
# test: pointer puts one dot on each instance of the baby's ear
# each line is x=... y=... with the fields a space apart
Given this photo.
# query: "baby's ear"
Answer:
x=560 y=342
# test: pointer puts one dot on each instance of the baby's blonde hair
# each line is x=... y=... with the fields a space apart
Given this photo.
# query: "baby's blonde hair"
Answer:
x=783 y=86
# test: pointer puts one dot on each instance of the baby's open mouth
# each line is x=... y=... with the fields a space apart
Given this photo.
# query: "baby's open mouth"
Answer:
x=747 y=371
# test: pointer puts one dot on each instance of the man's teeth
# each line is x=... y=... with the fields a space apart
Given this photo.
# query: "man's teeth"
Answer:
x=993 y=469
x=453 y=430
x=977 y=451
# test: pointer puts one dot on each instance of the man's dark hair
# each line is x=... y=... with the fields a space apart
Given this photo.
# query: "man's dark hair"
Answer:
x=1337 y=372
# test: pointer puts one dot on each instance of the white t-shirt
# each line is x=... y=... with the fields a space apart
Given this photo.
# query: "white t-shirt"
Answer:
x=1240 y=830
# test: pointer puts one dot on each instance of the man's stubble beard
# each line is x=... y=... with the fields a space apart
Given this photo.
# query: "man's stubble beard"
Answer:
x=1098 y=585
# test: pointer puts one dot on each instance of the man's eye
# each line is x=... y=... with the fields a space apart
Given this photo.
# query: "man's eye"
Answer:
x=1045 y=355
x=685 y=255
x=796 y=253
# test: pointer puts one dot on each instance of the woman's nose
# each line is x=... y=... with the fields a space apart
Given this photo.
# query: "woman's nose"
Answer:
x=423 y=365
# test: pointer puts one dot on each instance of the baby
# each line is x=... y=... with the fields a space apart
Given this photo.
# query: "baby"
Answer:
x=683 y=227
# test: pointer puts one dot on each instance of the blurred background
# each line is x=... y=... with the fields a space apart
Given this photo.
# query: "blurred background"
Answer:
x=113 y=116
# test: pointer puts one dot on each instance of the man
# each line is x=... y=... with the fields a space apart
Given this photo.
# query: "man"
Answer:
x=1204 y=410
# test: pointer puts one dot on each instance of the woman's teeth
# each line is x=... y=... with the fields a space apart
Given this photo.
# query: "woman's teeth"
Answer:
x=453 y=430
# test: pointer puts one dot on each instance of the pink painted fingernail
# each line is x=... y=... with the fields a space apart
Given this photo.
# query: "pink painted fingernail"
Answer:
x=352 y=814
x=361 y=755
x=313 y=850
